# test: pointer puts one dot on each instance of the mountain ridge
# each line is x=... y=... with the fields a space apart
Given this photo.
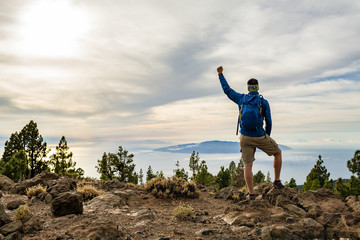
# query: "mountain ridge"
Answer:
x=209 y=147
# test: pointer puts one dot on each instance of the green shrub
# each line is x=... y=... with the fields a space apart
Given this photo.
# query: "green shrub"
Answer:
x=89 y=192
x=35 y=190
x=22 y=212
x=162 y=187
x=183 y=211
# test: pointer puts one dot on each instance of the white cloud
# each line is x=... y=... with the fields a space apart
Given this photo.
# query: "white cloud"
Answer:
x=147 y=70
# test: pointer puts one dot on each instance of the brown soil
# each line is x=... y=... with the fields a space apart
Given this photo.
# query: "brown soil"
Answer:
x=144 y=217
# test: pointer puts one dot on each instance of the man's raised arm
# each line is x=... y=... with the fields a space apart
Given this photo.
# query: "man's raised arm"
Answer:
x=232 y=94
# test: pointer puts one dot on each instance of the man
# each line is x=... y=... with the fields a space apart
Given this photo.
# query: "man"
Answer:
x=252 y=133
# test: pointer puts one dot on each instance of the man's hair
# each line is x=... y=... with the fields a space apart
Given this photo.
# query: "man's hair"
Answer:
x=253 y=84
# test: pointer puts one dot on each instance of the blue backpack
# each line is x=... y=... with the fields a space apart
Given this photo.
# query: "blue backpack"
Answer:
x=250 y=113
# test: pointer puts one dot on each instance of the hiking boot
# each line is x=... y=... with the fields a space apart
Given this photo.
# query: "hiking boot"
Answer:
x=278 y=185
x=251 y=197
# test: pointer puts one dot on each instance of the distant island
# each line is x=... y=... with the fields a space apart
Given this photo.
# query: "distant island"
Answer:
x=208 y=147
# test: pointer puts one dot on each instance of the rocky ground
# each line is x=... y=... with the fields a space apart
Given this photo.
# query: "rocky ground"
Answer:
x=128 y=212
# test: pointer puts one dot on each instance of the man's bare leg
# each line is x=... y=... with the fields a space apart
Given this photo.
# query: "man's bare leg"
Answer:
x=277 y=164
x=249 y=177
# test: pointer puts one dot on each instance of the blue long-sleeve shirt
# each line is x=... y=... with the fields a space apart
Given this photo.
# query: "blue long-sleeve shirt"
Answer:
x=237 y=98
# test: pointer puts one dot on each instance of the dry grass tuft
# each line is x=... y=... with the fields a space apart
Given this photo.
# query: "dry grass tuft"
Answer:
x=162 y=187
x=22 y=212
x=89 y=192
x=34 y=191
x=131 y=186
x=84 y=183
x=183 y=212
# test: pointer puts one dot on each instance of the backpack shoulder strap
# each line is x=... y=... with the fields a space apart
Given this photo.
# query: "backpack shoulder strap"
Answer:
x=261 y=100
x=240 y=110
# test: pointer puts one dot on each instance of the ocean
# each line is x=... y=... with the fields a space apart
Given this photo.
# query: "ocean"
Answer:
x=297 y=162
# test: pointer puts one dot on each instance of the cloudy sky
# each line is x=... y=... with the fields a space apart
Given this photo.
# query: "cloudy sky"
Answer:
x=127 y=72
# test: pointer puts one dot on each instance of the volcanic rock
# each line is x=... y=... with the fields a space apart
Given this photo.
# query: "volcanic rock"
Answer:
x=15 y=204
x=4 y=217
x=67 y=203
x=64 y=184
x=42 y=179
x=6 y=183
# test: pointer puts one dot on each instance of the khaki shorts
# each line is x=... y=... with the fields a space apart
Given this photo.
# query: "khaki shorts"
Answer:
x=249 y=144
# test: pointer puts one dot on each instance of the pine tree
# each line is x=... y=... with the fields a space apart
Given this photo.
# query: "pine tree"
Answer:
x=319 y=174
x=354 y=186
x=124 y=166
x=149 y=174
x=62 y=161
x=203 y=176
x=35 y=149
x=292 y=183
x=16 y=167
x=194 y=163
x=268 y=178
x=342 y=188
x=32 y=143
x=223 y=178
x=159 y=174
x=180 y=172
x=141 y=177
x=232 y=169
x=119 y=166
x=315 y=184
x=238 y=179
x=354 y=164
x=12 y=146
x=328 y=184
x=259 y=177
x=105 y=167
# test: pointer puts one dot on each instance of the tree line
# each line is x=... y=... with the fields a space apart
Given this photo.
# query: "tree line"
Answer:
x=25 y=155
x=319 y=178
x=233 y=175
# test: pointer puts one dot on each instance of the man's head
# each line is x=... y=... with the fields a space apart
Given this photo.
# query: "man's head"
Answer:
x=253 y=85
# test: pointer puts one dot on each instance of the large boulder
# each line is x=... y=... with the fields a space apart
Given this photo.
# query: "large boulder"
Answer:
x=42 y=179
x=324 y=198
x=100 y=229
x=308 y=228
x=112 y=185
x=251 y=213
x=4 y=218
x=353 y=203
x=277 y=231
x=32 y=225
x=229 y=193
x=105 y=201
x=295 y=210
x=11 y=227
x=6 y=183
x=67 y=203
x=323 y=206
x=279 y=197
x=64 y=184
x=14 y=204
